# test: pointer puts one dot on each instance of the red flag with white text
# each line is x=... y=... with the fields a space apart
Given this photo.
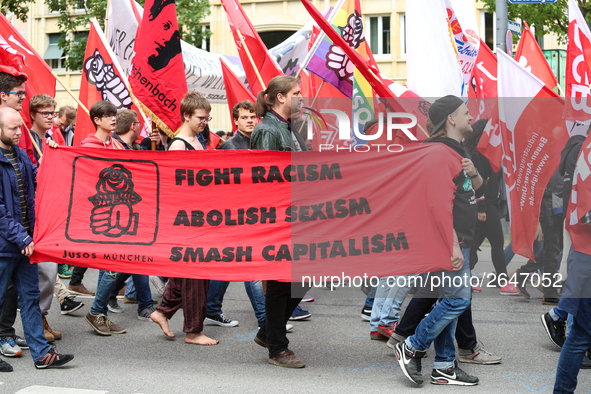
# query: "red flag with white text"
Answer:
x=530 y=56
x=578 y=66
x=533 y=135
x=102 y=79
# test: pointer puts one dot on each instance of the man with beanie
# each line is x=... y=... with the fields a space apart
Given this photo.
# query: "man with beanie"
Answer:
x=451 y=121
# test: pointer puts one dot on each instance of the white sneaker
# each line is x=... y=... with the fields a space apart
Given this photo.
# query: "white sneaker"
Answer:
x=288 y=327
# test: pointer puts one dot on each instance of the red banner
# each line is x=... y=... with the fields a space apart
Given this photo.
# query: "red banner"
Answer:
x=267 y=215
x=157 y=77
x=102 y=79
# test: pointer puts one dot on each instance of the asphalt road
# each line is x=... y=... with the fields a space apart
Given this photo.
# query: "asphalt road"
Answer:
x=334 y=343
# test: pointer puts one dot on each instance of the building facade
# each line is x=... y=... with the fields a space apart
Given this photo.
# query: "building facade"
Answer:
x=275 y=20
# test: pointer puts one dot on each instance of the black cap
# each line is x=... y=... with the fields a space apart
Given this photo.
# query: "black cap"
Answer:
x=441 y=109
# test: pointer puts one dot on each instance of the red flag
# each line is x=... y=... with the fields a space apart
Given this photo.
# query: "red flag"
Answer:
x=235 y=90
x=26 y=143
x=530 y=56
x=483 y=84
x=578 y=65
x=533 y=135
x=158 y=74
x=102 y=79
x=263 y=61
x=490 y=142
x=42 y=79
x=580 y=201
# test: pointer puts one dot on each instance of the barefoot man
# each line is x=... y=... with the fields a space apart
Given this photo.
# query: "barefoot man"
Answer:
x=190 y=294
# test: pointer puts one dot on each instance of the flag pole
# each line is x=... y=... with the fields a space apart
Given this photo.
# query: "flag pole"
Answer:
x=107 y=20
x=70 y=92
x=560 y=89
x=251 y=60
x=311 y=105
x=32 y=139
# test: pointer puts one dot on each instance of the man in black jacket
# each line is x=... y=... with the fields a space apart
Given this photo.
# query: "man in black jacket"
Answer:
x=245 y=120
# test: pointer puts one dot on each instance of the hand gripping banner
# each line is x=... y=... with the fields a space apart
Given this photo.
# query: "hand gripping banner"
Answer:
x=246 y=215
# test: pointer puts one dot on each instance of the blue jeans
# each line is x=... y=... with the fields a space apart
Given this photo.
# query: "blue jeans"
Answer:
x=388 y=301
x=106 y=283
x=25 y=279
x=142 y=289
x=440 y=326
x=573 y=351
x=254 y=290
x=130 y=289
x=369 y=300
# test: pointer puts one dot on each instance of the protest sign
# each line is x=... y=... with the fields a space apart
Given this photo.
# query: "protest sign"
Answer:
x=267 y=215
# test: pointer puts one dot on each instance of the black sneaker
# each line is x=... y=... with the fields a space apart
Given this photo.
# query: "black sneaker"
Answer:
x=221 y=320
x=556 y=330
x=69 y=305
x=520 y=285
x=410 y=362
x=366 y=313
x=52 y=360
x=453 y=376
x=5 y=367
x=586 y=364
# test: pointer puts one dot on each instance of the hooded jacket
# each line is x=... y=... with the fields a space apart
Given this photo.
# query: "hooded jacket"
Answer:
x=93 y=142
x=465 y=209
x=13 y=236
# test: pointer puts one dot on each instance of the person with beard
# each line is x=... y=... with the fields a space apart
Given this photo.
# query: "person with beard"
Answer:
x=17 y=222
x=275 y=132
x=451 y=120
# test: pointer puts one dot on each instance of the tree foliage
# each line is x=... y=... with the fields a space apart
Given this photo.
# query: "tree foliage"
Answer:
x=74 y=16
x=546 y=18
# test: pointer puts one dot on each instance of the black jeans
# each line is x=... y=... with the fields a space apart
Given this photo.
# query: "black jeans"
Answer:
x=77 y=275
x=278 y=308
x=419 y=306
x=491 y=229
x=548 y=257
x=8 y=315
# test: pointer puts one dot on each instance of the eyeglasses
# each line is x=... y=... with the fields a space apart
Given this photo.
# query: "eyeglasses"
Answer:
x=137 y=123
x=204 y=120
x=109 y=117
x=21 y=94
x=46 y=114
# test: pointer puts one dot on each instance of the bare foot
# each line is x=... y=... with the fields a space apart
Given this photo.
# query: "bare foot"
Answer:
x=159 y=318
x=200 y=339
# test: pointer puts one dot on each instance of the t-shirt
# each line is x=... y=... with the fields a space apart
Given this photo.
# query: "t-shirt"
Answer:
x=10 y=155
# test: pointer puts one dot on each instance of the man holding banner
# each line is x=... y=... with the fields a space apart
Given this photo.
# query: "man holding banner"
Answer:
x=17 y=221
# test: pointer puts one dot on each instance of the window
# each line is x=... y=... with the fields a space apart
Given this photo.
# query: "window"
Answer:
x=379 y=34
x=80 y=6
x=205 y=43
x=53 y=55
x=487 y=28
x=273 y=38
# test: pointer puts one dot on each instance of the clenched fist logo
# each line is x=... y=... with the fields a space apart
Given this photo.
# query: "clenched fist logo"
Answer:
x=336 y=59
x=113 y=202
